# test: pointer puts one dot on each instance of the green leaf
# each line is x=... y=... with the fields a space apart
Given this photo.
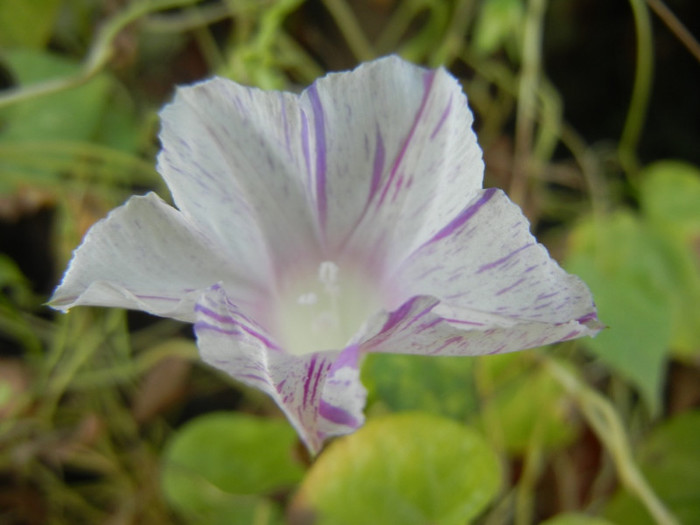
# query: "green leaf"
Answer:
x=218 y=464
x=525 y=402
x=410 y=468
x=628 y=273
x=442 y=385
x=72 y=114
x=26 y=23
x=499 y=21
x=682 y=289
x=45 y=139
x=670 y=460
x=12 y=280
x=670 y=194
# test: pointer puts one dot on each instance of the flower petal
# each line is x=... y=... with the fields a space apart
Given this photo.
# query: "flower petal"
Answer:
x=145 y=256
x=480 y=285
x=320 y=393
x=486 y=260
x=233 y=158
x=424 y=326
x=393 y=155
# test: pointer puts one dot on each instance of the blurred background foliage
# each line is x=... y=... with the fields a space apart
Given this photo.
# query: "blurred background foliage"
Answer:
x=588 y=113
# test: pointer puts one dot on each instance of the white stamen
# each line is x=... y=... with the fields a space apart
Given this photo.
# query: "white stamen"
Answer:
x=307 y=299
x=328 y=275
x=324 y=309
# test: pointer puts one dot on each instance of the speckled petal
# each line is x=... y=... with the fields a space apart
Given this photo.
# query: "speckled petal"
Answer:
x=145 y=255
x=320 y=393
x=482 y=285
x=486 y=260
x=424 y=326
x=234 y=160
x=392 y=156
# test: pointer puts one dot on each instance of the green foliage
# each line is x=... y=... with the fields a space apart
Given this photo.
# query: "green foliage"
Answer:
x=645 y=278
x=15 y=285
x=670 y=193
x=25 y=23
x=439 y=386
x=670 y=197
x=85 y=131
x=523 y=405
x=68 y=115
x=411 y=468
x=499 y=26
x=575 y=519
x=636 y=307
x=670 y=459
x=77 y=444
x=216 y=465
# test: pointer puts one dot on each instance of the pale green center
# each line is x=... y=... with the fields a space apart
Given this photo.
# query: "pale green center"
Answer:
x=324 y=309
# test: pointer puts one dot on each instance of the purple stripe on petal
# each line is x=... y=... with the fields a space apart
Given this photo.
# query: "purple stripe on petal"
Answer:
x=570 y=335
x=201 y=325
x=464 y=216
x=500 y=261
x=377 y=170
x=442 y=120
x=336 y=414
x=305 y=144
x=260 y=337
x=378 y=166
x=400 y=314
x=428 y=79
x=253 y=377
x=462 y=321
x=232 y=321
x=286 y=124
x=447 y=343
x=214 y=315
x=320 y=132
x=348 y=357
x=509 y=288
x=157 y=297
x=588 y=317
x=429 y=325
x=321 y=372
x=307 y=382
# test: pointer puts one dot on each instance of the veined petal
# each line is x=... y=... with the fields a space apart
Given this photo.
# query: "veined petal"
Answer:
x=482 y=285
x=145 y=255
x=486 y=260
x=320 y=393
x=393 y=156
x=235 y=159
x=301 y=216
x=424 y=326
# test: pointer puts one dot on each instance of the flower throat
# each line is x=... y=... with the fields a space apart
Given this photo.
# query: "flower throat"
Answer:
x=324 y=309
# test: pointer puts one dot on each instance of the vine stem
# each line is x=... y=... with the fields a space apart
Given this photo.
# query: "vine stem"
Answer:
x=641 y=90
x=676 y=26
x=527 y=99
x=99 y=55
x=606 y=423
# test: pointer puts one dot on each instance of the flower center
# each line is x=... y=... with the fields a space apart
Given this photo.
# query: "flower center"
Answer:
x=324 y=309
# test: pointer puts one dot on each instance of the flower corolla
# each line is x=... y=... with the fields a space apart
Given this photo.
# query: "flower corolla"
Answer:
x=312 y=229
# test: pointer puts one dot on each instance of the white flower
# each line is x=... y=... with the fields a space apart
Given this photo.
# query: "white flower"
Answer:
x=311 y=229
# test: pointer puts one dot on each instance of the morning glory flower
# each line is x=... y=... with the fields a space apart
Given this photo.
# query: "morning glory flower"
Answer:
x=312 y=229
